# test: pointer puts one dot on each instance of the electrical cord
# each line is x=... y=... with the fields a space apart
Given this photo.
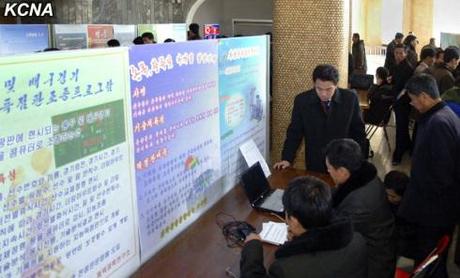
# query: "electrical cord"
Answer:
x=234 y=231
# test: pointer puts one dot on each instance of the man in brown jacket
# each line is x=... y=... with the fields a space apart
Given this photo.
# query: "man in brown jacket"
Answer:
x=444 y=74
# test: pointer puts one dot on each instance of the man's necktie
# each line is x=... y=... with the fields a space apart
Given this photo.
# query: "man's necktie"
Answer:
x=326 y=105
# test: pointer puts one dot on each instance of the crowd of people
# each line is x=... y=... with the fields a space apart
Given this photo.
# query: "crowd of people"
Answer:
x=193 y=33
x=362 y=226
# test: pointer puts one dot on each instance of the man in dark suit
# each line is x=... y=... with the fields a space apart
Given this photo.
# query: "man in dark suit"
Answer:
x=320 y=115
x=390 y=56
x=320 y=245
x=431 y=201
x=400 y=73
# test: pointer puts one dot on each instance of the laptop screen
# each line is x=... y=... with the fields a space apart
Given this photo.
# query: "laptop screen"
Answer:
x=254 y=182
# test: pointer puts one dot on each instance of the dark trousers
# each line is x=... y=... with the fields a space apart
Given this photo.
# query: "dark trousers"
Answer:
x=403 y=142
x=426 y=239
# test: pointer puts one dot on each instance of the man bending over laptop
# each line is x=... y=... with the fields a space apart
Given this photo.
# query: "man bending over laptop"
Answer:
x=319 y=244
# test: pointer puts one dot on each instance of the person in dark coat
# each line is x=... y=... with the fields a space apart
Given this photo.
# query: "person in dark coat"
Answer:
x=320 y=244
x=410 y=42
x=361 y=196
x=321 y=115
x=444 y=74
x=390 y=56
x=380 y=99
x=431 y=201
x=358 y=52
x=400 y=73
x=396 y=183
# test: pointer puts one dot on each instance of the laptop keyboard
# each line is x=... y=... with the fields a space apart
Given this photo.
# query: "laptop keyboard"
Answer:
x=274 y=201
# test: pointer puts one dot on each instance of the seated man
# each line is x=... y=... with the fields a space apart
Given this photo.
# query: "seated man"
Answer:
x=380 y=99
x=319 y=245
x=360 y=195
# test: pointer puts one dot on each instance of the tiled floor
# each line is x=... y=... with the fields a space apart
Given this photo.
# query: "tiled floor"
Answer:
x=382 y=160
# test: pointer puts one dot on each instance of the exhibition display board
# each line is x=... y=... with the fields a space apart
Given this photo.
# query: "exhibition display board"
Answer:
x=175 y=106
x=23 y=38
x=108 y=154
x=70 y=36
x=67 y=197
x=243 y=87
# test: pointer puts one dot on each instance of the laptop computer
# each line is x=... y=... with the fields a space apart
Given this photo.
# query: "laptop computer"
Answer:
x=259 y=193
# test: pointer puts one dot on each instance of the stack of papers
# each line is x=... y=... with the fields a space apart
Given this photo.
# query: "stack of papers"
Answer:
x=274 y=233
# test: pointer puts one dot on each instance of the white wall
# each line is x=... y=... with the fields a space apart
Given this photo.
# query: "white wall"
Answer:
x=446 y=18
x=392 y=19
x=223 y=11
x=357 y=17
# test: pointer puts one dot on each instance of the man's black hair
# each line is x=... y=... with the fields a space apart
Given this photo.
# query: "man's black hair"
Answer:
x=50 y=49
x=427 y=52
x=169 y=40
x=194 y=27
x=439 y=51
x=148 y=35
x=382 y=73
x=138 y=40
x=113 y=43
x=396 y=180
x=451 y=53
x=344 y=153
x=326 y=72
x=422 y=83
x=356 y=35
x=309 y=200
x=399 y=36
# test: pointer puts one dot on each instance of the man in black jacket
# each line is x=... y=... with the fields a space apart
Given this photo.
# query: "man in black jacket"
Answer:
x=321 y=115
x=319 y=245
x=444 y=74
x=358 y=51
x=390 y=58
x=361 y=196
x=400 y=73
x=431 y=200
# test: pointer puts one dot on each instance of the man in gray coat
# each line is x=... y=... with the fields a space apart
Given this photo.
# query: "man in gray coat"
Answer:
x=320 y=245
x=361 y=196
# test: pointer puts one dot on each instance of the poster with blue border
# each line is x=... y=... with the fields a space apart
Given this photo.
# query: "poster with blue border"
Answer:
x=23 y=38
x=175 y=114
x=243 y=100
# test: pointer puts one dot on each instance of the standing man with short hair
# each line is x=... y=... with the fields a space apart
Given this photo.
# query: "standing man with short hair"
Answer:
x=444 y=74
x=390 y=58
x=400 y=73
x=320 y=115
x=358 y=51
x=431 y=201
x=359 y=195
x=426 y=60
